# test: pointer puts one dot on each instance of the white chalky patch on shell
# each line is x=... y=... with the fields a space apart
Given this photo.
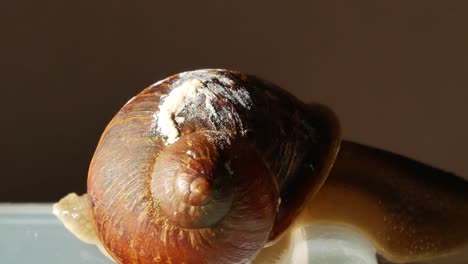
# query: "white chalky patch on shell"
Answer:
x=191 y=154
x=173 y=104
x=189 y=89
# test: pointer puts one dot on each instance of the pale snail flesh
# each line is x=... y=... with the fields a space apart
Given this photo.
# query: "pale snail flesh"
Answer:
x=214 y=166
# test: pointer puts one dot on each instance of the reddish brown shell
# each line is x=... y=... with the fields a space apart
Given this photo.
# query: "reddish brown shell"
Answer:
x=278 y=150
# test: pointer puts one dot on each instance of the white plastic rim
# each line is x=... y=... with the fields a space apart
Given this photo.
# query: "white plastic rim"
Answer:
x=32 y=227
x=330 y=244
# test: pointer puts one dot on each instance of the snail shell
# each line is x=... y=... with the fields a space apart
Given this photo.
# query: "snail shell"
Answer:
x=206 y=167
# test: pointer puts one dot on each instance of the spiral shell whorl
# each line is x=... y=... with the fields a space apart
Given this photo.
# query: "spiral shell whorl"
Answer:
x=190 y=183
x=229 y=212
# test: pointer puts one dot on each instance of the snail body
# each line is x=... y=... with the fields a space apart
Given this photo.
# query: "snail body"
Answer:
x=212 y=166
x=185 y=170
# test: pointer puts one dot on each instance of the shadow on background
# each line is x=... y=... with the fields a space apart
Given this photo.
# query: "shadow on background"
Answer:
x=395 y=72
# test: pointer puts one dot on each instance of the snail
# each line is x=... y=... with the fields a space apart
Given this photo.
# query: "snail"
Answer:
x=215 y=166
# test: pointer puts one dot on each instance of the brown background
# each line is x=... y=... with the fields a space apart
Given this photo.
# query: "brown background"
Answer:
x=394 y=71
